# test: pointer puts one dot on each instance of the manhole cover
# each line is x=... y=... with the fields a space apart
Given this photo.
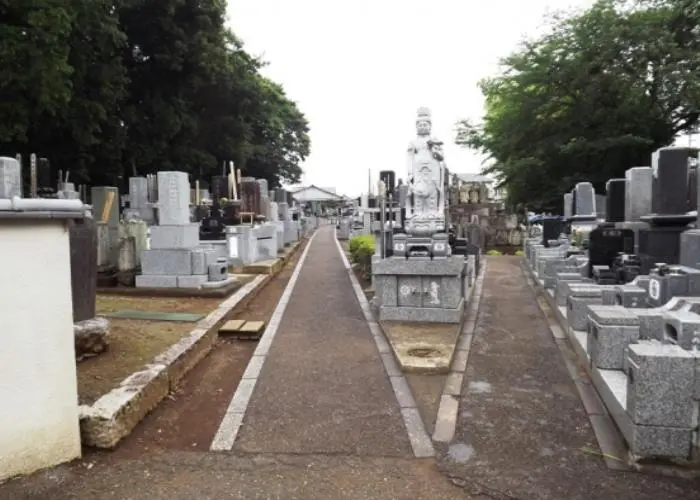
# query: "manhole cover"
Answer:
x=422 y=352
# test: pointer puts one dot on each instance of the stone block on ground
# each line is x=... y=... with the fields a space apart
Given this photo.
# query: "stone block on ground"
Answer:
x=91 y=337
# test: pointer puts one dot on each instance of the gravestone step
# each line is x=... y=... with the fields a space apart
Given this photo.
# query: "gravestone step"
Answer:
x=155 y=316
x=242 y=329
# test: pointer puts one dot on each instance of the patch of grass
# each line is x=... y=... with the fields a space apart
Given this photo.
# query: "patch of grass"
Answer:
x=494 y=253
x=520 y=253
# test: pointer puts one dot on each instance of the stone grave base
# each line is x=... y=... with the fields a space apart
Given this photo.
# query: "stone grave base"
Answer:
x=422 y=314
x=219 y=289
x=421 y=289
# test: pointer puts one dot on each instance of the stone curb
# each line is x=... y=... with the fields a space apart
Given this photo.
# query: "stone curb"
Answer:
x=115 y=414
x=448 y=410
x=420 y=441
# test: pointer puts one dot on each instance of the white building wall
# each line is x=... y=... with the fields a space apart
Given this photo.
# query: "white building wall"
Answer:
x=39 y=424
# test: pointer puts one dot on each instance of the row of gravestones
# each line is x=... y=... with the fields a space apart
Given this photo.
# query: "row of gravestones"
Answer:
x=631 y=303
x=186 y=253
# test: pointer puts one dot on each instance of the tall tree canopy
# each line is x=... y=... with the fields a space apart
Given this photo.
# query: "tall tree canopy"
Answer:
x=111 y=88
x=591 y=98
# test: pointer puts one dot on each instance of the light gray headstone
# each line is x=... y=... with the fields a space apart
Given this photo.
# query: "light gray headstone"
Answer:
x=585 y=199
x=173 y=198
x=138 y=192
x=10 y=178
x=568 y=204
x=638 y=193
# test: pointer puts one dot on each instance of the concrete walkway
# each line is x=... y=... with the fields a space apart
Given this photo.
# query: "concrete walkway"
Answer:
x=323 y=387
x=522 y=429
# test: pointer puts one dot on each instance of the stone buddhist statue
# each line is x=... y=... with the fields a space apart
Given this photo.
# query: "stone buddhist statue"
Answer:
x=425 y=214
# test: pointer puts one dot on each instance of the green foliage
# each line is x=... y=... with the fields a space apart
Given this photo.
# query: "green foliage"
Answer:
x=494 y=253
x=362 y=249
x=112 y=88
x=593 y=97
x=520 y=253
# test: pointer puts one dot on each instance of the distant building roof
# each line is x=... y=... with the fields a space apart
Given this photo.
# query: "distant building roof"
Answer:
x=314 y=193
x=474 y=178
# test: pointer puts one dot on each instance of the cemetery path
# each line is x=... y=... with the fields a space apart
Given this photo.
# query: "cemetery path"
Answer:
x=323 y=387
x=522 y=429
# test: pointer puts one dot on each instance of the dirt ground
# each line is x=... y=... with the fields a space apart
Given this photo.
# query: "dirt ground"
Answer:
x=112 y=303
x=134 y=343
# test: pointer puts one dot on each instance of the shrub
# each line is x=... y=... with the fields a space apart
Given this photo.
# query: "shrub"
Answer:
x=361 y=250
x=493 y=253
x=520 y=253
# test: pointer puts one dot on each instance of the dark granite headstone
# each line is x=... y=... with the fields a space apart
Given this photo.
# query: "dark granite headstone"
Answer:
x=231 y=213
x=615 y=200
x=219 y=188
x=670 y=181
x=551 y=230
x=605 y=243
x=692 y=188
x=46 y=187
x=660 y=242
x=201 y=212
x=280 y=196
x=389 y=179
x=212 y=226
x=371 y=202
x=83 y=267
x=250 y=195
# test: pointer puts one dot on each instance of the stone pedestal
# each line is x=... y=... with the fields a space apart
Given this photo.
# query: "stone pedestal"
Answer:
x=420 y=289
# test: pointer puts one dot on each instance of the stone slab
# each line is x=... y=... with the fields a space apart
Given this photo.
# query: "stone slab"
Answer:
x=252 y=327
x=168 y=262
x=422 y=314
x=155 y=281
x=232 y=326
x=192 y=281
x=155 y=316
x=450 y=266
x=183 y=236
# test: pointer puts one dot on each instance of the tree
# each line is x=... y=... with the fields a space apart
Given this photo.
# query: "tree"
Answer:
x=112 y=88
x=590 y=99
x=34 y=50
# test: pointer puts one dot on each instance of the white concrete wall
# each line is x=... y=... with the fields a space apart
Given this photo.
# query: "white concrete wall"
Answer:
x=39 y=424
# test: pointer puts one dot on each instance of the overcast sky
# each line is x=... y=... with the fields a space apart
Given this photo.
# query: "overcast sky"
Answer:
x=359 y=70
